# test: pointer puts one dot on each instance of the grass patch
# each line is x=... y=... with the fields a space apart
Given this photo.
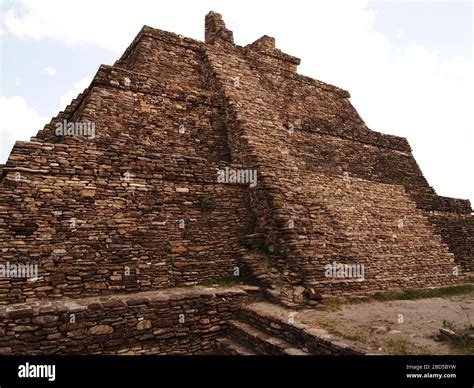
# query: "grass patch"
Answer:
x=412 y=294
x=206 y=202
x=55 y=139
x=269 y=250
x=356 y=337
x=230 y=281
x=335 y=303
x=462 y=345
x=464 y=342
x=399 y=346
x=449 y=325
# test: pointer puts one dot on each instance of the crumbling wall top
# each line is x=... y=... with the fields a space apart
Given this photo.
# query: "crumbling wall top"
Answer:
x=216 y=31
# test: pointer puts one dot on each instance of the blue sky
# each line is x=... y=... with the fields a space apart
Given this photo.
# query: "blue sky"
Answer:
x=407 y=64
x=24 y=62
x=443 y=26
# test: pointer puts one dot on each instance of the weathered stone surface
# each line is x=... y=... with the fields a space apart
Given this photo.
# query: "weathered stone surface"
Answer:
x=143 y=325
x=147 y=190
x=43 y=319
x=87 y=193
x=101 y=329
x=179 y=319
x=140 y=207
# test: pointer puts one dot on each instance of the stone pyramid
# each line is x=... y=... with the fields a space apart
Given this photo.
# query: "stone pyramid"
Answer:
x=189 y=162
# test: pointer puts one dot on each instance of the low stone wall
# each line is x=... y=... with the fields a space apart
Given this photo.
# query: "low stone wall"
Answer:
x=173 y=321
x=315 y=340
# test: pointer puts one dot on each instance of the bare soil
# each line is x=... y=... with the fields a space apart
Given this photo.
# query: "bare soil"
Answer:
x=400 y=326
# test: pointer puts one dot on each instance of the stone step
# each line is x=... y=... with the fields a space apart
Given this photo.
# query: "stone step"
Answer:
x=253 y=240
x=282 y=322
x=232 y=347
x=261 y=341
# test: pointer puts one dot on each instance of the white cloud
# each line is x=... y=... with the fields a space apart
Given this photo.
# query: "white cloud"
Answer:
x=49 y=70
x=428 y=100
x=412 y=92
x=87 y=21
x=71 y=94
x=18 y=121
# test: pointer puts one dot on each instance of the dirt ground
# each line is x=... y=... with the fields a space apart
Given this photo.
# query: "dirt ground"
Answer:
x=400 y=326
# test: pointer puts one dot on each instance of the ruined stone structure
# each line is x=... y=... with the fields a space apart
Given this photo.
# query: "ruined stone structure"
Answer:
x=137 y=209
